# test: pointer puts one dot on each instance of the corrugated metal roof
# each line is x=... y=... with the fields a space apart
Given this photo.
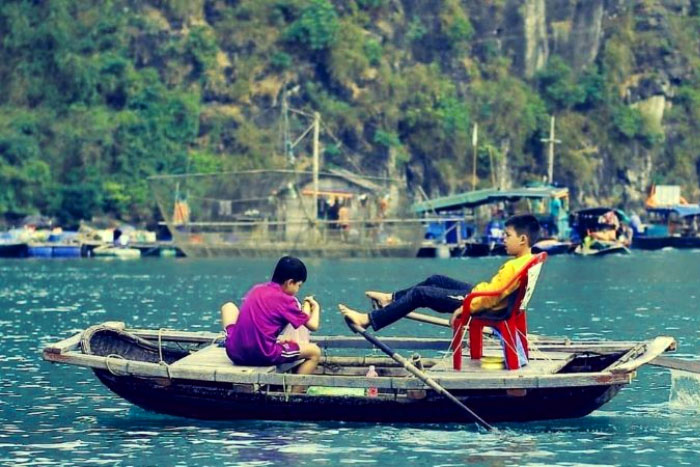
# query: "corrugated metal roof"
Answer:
x=682 y=209
x=471 y=199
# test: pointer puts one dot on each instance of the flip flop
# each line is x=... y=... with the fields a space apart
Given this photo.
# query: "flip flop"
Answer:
x=375 y=303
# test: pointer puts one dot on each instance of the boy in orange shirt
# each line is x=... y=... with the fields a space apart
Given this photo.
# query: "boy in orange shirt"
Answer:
x=444 y=294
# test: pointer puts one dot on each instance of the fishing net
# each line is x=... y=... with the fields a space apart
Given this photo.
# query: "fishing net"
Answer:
x=272 y=212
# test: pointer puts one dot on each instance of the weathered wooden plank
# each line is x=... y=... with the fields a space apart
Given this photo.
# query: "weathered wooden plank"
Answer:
x=340 y=341
x=215 y=357
x=183 y=336
x=65 y=345
x=640 y=356
x=365 y=361
x=114 y=364
x=454 y=380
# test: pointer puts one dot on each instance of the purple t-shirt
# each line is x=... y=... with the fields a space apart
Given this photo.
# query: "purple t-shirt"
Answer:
x=265 y=311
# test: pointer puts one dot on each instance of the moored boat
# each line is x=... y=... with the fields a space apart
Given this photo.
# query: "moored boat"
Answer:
x=188 y=374
x=472 y=223
x=112 y=251
x=600 y=231
x=675 y=226
x=601 y=248
x=553 y=247
x=13 y=249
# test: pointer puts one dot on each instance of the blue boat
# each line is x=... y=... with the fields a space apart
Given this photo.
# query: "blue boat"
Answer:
x=675 y=226
x=58 y=245
x=475 y=219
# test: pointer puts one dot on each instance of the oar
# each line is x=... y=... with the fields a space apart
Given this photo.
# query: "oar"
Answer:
x=428 y=319
x=423 y=318
x=417 y=373
x=676 y=364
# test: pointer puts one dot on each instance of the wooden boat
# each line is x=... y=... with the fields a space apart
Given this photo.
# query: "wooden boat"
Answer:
x=601 y=248
x=465 y=222
x=12 y=249
x=188 y=374
x=111 y=251
x=673 y=226
x=600 y=231
x=553 y=246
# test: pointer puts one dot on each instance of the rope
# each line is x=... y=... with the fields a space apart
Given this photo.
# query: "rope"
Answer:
x=450 y=352
x=284 y=388
x=113 y=355
x=534 y=349
x=162 y=362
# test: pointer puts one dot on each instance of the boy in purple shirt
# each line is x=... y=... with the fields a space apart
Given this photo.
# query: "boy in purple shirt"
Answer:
x=252 y=333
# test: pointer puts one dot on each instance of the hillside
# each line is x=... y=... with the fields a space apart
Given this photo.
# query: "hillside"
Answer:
x=98 y=95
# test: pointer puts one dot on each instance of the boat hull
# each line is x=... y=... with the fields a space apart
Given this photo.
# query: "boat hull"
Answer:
x=656 y=243
x=554 y=248
x=219 y=401
x=14 y=250
x=326 y=250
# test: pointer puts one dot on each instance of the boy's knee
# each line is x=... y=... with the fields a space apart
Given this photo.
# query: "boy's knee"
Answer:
x=312 y=352
x=316 y=350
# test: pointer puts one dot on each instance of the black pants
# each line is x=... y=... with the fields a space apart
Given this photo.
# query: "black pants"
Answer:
x=439 y=293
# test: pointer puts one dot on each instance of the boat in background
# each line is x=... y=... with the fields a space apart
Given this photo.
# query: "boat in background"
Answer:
x=13 y=249
x=266 y=213
x=670 y=227
x=115 y=251
x=473 y=221
x=600 y=231
x=670 y=221
x=57 y=244
x=553 y=246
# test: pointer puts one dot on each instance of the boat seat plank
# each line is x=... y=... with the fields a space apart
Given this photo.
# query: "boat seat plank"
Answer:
x=544 y=363
x=214 y=357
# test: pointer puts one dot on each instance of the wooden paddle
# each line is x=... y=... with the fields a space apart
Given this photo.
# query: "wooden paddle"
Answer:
x=417 y=373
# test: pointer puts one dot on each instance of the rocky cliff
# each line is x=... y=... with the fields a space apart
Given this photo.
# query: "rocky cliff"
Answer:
x=101 y=95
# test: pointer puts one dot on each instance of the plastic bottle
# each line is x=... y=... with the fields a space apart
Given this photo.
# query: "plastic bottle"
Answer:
x=372 y=390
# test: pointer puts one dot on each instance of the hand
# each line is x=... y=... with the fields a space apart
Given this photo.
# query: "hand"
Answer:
x=312 y=301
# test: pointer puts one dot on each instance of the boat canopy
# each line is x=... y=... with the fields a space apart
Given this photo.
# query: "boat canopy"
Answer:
x=683 y=210
x=472 y=199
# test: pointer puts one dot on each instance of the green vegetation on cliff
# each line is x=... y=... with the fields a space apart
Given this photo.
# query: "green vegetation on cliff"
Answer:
x=99 y=95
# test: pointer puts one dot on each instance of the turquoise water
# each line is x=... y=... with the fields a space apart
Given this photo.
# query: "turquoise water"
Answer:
x=53 y=414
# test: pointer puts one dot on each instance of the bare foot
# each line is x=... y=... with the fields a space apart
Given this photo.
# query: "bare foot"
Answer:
x=360 y=319
x=382 y=298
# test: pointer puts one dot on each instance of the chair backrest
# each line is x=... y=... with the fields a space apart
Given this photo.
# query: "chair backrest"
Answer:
x=530 y=274
x=520 y=297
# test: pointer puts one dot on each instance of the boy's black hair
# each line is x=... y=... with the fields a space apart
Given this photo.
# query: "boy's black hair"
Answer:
x=525 y=224
x=289 y=267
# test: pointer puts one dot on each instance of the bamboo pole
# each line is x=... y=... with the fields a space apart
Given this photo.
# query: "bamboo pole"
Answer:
x=317 y=129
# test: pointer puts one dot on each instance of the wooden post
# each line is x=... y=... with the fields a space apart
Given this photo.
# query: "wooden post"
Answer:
x=491 y=167
x=475 y=140
x=317 y=129
x=551 y=141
